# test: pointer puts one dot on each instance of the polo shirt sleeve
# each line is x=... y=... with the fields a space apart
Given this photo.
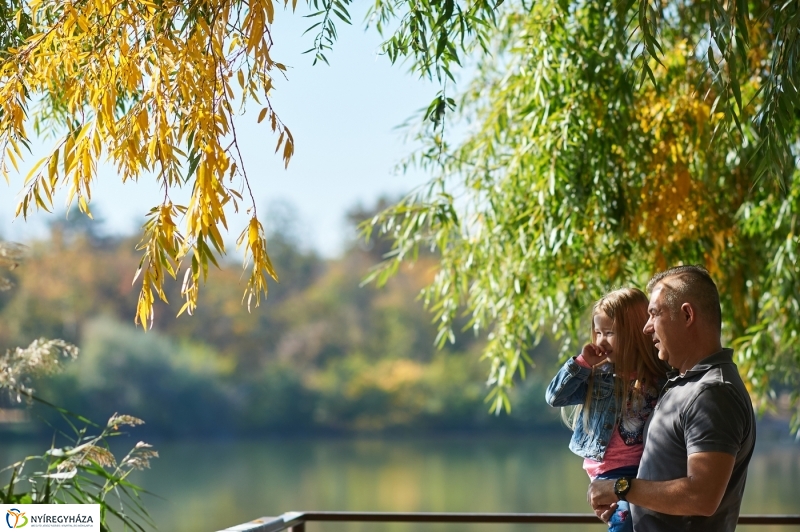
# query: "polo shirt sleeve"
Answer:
x=715 y=421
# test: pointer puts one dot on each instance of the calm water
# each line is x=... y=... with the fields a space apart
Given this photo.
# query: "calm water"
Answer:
x=209 y=486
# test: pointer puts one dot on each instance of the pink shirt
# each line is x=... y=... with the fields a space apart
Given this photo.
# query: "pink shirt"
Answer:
x=618 y=453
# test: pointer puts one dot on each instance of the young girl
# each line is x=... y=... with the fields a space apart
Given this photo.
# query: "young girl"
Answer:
x=615 y=383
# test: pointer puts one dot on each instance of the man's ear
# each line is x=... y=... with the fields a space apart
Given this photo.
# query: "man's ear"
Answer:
x=688 y=314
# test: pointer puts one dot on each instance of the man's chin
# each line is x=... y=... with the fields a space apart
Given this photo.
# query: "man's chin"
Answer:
x=663 y=355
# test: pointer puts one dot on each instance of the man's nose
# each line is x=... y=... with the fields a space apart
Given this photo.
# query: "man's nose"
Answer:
x=648 y=329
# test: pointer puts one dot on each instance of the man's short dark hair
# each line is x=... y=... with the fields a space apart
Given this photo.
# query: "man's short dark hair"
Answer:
x=691 y=284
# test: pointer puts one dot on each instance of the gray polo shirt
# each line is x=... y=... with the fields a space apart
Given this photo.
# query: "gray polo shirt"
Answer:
x=705 y=410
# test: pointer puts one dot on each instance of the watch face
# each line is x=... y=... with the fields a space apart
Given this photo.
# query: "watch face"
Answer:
x=621 y=484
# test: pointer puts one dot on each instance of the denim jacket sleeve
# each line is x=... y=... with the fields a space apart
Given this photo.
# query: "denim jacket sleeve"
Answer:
x=569 y=386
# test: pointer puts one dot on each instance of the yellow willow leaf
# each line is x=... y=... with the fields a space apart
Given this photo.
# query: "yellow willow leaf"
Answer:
x=288 y=151
x=270 y=269
x=192 y=222
x=124 y=47
x=108 y=105
x=14 y=146
x=83 y=205
x=216 y=47
x=69 y=154
x=97 y=144
x=171 y=46
x=44 y=185
x=256 y=31
x=233 y=43
x=83 y=24
x=151 y=148
x=270 y=10
x=216 y=239
x=52 y=168
x=68 y=21
x=240 y=78
x=252 y=237
x=36 y=166
x=186 y=307
x=138 y=271
x=144 y=308
x=38 y=199
x=86 y=160
x=22 y=207
x=103 y=7
x=240 y=240
x=216 y=206
x=10 y=155
x=164 y=260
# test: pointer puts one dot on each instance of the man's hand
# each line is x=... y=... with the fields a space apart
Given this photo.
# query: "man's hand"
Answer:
x=601 y=494
x=593 y=354
x=604 y=513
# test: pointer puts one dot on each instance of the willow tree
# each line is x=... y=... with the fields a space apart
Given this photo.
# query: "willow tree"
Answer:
x=154 y=87
x=606 y=141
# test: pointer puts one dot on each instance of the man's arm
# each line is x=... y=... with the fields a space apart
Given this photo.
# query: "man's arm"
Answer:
x=699 y=493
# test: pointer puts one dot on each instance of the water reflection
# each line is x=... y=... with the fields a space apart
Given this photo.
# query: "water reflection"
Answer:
x=208 y=486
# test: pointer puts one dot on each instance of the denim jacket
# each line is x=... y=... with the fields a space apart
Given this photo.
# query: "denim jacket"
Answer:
x=569 y=387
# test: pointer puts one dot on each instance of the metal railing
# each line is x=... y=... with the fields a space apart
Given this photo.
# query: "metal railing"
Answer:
x=295 y=521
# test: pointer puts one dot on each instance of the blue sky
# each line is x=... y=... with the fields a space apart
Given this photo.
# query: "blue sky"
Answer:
x=343 y=118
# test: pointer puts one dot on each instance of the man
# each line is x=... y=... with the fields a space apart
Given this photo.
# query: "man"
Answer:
x=699 y=440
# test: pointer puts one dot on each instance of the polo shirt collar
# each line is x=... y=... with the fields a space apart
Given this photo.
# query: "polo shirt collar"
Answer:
x=725 y=356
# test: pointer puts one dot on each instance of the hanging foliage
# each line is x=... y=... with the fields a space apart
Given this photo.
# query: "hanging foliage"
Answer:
x=606 y=141
x=152 y=87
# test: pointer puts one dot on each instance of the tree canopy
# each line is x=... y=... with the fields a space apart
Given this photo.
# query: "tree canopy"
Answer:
x=604 y=141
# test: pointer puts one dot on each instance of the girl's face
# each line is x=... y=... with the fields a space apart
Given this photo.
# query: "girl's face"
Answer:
x=604 y=335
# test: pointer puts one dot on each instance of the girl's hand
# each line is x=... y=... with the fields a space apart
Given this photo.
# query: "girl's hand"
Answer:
x=592 y=354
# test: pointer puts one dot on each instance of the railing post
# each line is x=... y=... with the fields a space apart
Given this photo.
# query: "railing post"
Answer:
x=298 y=528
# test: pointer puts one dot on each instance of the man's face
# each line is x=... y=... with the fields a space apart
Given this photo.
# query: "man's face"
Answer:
x=665 y=331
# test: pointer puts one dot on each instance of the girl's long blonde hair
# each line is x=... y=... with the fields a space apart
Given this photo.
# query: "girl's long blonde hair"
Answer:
x=636 y=364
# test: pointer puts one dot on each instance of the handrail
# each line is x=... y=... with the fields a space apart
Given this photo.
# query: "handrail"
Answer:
x=295 y=521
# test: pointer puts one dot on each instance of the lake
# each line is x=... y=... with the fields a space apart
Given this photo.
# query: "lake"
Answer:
x=207 y=486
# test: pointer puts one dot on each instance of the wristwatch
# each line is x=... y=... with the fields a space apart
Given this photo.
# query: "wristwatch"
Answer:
x=622 y=486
